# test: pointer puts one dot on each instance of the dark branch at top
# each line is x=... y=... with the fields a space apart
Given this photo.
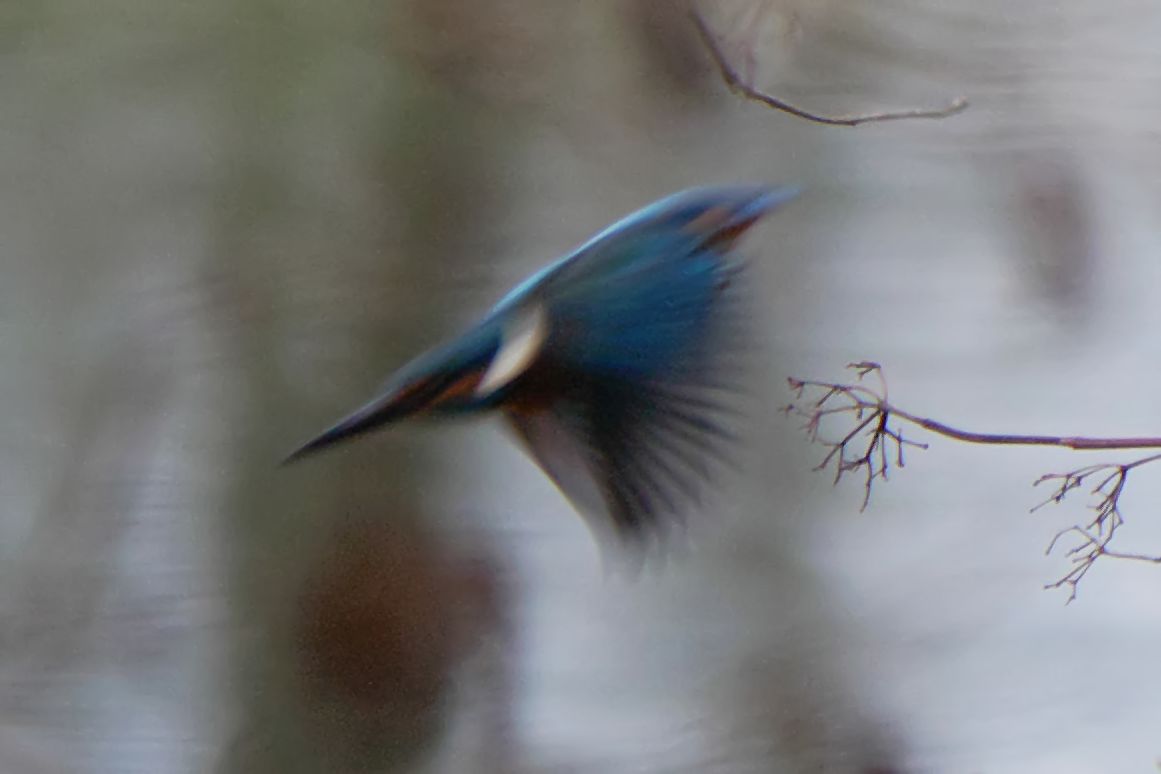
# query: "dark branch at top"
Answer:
x=738 y=85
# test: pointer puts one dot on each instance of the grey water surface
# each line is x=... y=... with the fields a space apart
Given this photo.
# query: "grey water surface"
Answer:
x=223 y=223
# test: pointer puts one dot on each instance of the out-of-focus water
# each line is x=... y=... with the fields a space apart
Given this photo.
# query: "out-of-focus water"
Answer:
x=212 y=242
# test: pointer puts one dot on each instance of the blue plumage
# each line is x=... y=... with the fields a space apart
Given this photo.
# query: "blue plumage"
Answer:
x=608 y=363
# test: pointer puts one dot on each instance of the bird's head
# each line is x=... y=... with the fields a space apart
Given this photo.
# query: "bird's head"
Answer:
x=474 y=372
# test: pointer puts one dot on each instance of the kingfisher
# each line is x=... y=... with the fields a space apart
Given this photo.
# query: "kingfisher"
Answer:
x=612 y=365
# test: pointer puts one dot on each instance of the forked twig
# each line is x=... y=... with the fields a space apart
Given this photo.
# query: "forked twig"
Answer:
x=876 y=443
x=739 y=85
x=1095 y=536
x=872 y=446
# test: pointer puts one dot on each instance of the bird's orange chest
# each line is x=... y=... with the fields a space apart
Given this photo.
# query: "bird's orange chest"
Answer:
x=538 y=388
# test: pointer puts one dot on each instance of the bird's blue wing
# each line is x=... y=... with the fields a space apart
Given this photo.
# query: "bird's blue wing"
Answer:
x=642 y=323
x=632 y=459
x=645 y=297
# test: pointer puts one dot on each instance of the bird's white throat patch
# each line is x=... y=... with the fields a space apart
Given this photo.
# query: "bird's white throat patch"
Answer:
x=520 y=343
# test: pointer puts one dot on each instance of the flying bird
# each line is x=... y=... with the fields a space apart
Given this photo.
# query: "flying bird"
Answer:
x=612 y=365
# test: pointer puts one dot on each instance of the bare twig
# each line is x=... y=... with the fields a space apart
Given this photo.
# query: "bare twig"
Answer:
x=865 y=448
x=1095 y=536
x=739 y=85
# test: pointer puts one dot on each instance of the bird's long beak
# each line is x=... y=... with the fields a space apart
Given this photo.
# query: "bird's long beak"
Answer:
x=430 y=382
x=385 y=408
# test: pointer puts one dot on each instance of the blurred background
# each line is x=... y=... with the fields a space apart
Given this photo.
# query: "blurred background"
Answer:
x=223 y=223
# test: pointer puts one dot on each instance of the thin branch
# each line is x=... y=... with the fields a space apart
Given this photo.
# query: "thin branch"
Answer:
x=865 y=448
x=737 y=84
x=863 y=397
x=1077 y=443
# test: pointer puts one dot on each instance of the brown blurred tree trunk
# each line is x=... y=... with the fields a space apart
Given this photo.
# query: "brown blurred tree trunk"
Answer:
x=350 y=612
